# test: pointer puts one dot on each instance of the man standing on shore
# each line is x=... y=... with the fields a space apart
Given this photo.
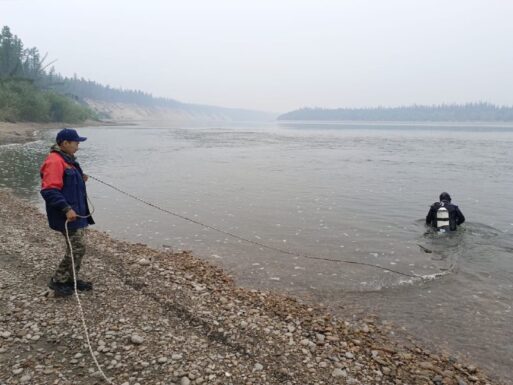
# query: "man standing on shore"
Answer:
x=64 y=191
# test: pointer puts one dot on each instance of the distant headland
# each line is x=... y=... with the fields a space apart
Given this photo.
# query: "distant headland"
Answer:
x=469 y=112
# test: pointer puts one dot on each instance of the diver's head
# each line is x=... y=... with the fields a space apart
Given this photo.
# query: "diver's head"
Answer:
x=445 y=197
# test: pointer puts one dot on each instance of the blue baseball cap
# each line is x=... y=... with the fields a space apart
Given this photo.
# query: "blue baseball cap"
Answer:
x=70 y=135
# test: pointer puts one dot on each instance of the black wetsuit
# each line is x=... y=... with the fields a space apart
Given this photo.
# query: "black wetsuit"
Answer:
x=456 y=217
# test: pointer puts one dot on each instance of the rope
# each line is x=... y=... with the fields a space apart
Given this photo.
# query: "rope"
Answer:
x=277 y=249
x=81 y=311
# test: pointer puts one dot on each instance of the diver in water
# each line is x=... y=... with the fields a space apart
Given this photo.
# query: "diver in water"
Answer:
x=444 y=216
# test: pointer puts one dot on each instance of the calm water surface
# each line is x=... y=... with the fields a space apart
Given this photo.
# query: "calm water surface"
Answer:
x=338 y=191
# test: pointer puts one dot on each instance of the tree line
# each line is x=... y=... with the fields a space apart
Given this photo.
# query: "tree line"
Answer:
x=83 y=89
x=25 y=94
x=477 y=112
x=31 y=89
x=88 y=89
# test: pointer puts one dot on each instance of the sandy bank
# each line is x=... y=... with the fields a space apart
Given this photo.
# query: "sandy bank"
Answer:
x=127 y=112
x=162 y=318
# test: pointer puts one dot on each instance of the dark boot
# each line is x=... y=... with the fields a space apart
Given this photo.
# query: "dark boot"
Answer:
x=81 y=285
x=60 y=289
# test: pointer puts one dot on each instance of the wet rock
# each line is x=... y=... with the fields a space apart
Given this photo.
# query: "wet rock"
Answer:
x=144 y=262
x=471 y=369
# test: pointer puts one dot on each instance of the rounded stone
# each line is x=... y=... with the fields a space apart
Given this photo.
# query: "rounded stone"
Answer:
x=136 y=339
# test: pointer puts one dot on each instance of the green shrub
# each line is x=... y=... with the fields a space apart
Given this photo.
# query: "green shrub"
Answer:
x=20 y=100
x=64 y=109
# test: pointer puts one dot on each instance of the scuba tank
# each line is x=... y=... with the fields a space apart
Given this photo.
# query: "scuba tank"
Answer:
x=442 y=218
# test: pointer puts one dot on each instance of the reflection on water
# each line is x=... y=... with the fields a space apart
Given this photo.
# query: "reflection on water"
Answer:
x=350 y=192
x=19 y=167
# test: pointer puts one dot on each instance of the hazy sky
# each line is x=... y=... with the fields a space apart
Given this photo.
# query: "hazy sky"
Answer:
x=278 y=55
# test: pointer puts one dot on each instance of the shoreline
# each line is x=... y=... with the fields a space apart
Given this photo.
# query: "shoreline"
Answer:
x=197 y=326
x=23 y=132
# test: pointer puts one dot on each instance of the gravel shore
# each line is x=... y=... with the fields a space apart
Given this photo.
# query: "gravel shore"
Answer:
x=165 y=318
x=27 y=131
x=18 y=133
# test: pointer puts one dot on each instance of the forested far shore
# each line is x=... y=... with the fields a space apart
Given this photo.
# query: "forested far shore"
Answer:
x=469 y=112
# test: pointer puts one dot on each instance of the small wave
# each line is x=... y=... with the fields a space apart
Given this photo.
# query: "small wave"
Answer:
x=21 y=144
x=424 y=278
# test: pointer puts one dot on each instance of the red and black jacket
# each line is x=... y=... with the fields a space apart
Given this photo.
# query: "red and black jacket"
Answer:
x=62 y=188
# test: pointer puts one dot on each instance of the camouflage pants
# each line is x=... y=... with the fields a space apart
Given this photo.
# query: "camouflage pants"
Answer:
x=64 y=272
